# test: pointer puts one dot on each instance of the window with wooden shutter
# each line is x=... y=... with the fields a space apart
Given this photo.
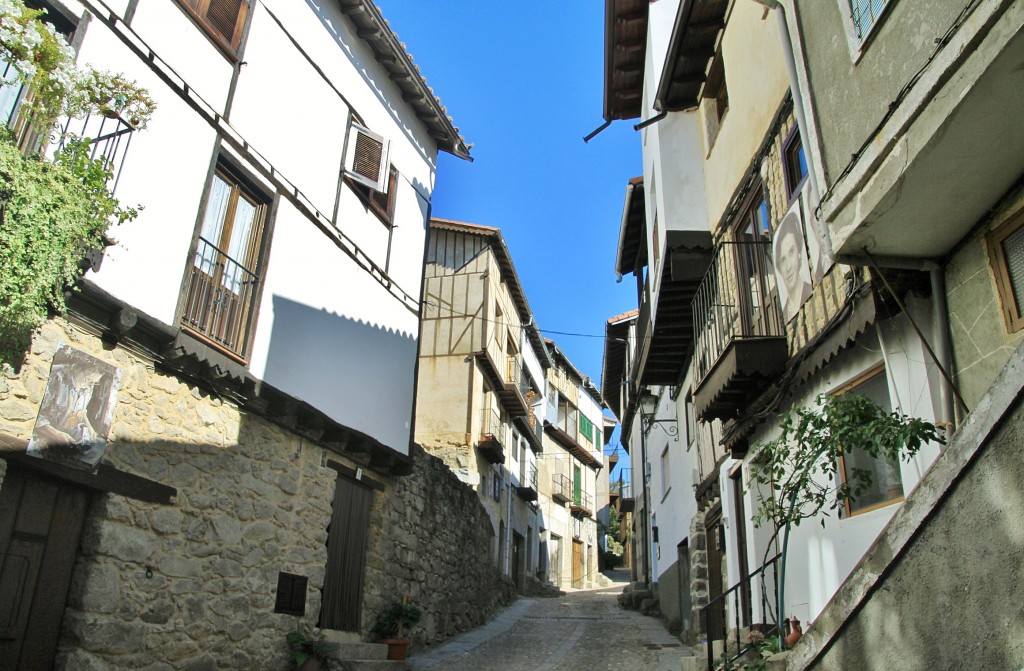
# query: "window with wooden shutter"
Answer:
x=367 y=159
x=1006 y=255
x=223 y=20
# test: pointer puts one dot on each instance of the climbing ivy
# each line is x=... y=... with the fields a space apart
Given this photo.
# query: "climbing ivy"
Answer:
x=51 y=215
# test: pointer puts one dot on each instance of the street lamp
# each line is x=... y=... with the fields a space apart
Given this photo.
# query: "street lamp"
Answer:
x=648 y=408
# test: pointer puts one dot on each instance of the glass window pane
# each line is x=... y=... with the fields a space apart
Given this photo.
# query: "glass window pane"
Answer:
x=1013 y=249
x=886 y=483
x=216 y=209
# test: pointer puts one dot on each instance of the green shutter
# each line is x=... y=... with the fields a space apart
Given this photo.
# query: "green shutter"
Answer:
x=586 y=426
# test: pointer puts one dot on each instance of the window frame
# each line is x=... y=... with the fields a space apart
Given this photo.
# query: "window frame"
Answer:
x=790 y=149
x=382 y=204
x=241 y=183
x=232 y=49
x=848 y=510
x=1013 y=314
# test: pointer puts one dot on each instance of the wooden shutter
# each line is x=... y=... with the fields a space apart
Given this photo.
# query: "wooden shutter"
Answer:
x=367 y=160
x=224 y=19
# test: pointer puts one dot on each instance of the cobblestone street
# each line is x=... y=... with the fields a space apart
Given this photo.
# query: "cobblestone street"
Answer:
x=581 y=630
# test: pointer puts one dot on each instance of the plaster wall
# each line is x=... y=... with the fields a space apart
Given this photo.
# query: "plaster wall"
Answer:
x=755 y=76
x=982 y=344
x=872 y=73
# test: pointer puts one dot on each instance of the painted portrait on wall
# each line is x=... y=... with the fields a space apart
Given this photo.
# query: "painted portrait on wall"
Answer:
x=77 y=410
x=789 y=253
x=818 y=260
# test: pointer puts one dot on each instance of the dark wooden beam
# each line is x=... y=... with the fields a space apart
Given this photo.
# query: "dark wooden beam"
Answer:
x=104 y=479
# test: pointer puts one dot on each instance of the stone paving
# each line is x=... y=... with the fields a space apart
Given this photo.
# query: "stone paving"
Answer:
x=581 y=631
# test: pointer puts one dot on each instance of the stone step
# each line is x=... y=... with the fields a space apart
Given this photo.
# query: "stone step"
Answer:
x=362 y=651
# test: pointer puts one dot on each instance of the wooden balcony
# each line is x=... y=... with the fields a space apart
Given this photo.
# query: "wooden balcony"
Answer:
x=740 y=340
x=563 y=438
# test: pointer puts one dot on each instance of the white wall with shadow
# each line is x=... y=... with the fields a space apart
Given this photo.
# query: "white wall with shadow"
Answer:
x=359 y=374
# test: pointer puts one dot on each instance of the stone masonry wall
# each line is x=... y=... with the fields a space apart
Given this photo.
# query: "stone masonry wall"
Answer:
x=432 y=542
x=191 y=585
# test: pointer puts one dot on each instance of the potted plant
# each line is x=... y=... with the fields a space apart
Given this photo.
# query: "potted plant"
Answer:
x=393 y=624
x=310 y=652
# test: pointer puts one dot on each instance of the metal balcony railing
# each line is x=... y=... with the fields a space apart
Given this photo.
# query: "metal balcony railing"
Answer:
x=528 y=476
x=108 y=137
x=490 y=424
x=583 y=500
x=735 y=606
x=221 y=299
x=736 y=299
x=515 y=376
x=622 y=485
x=561 y=487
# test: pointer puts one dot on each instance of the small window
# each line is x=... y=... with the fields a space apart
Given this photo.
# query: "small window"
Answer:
x=1006 y=254
x=666 y=474
x=794 y=162
x=291 y=594
x=886 y=483
x=865 y=14
x=223 y=20
x=691 y=425
x=715 y=87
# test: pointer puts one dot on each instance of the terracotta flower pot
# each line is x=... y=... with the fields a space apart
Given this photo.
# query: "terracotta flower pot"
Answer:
x=398 y=648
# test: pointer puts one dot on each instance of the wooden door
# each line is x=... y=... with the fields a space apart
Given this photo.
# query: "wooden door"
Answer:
x=517 y=560
x=746 y=614
x=40 y=527
x=685 y=601
x=346 y=556
x=556 y=561
x=577 y=564
x=715 y=554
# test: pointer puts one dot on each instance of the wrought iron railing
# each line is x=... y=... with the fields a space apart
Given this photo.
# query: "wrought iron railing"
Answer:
x=108 y=137
x=561 y=486
x=583 y=500
x=737 y=604
x=490 y=424
x=221 y=299
x=736 y=299
x=528 y=476
x=622 y=486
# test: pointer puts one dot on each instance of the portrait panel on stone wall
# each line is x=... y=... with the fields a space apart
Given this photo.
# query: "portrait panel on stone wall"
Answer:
x=77 y=409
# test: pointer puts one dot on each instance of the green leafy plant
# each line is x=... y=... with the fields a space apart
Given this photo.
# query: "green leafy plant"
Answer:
x=796 y=474
x=399 y=617
x=39 y=55
x=51 y=214
x=304 y=645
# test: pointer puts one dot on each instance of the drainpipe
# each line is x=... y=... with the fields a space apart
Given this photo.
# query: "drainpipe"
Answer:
x=801 y=117
x=943 y=350
x=942 y=353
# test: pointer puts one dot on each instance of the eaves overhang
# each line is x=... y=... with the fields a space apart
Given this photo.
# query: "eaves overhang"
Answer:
x=625 y=53
x=585 y=382
x=632 y=249
x=687 y=258
x=390 y=52
x=613 y=369
x=508 y=271
x=692 y=46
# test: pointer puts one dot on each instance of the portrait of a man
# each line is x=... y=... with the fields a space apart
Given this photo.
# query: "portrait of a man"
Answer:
x=77 y=410
x=792 y=270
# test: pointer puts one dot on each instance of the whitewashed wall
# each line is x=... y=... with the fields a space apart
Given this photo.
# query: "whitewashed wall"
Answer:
x=820 y=559
x=327 y=332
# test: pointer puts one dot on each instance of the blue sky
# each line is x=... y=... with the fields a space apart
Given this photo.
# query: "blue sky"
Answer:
x=524 y=83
